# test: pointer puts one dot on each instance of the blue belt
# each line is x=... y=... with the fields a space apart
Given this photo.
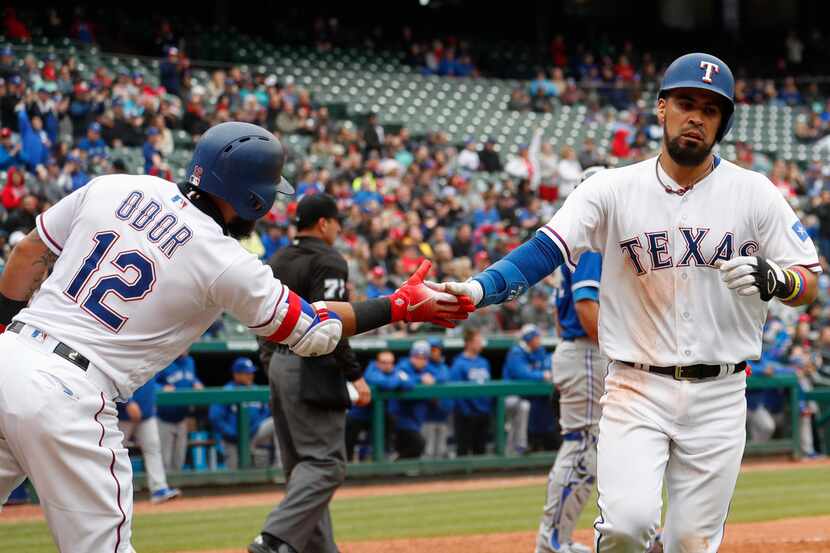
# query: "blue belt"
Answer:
x=574 y=436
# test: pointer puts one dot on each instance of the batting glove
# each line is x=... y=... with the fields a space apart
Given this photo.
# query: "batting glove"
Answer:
x=417 y=302
x=470 y=288
x=750 y=275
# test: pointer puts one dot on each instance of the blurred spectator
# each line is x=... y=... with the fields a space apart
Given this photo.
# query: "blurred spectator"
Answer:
x=589 y=156
x=378 y=285
x=15 y=188
x=72 y=176
x=224 y=419
x=170 y=69
x=174 y=421
x=152 y=149
x=468 y=158
x=542 y=87
x=519 y=100
x=93 y=144
x=15 y=28
x=489 y=157
x=569 y=170
x=472 y=416
x=373 y=134
x=11 y=153
x=35 y=142
x=538 y=311
x=23 y=218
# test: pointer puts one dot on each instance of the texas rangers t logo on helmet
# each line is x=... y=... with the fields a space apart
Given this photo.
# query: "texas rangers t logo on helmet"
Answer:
x=710 y=68
x=196 y=177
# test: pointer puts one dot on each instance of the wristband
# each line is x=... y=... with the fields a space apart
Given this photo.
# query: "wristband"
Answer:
x=799 y=285
x=8 y=309
x=372 y=314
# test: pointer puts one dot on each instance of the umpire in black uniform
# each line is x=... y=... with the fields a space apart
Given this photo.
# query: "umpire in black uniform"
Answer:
x=309 y=395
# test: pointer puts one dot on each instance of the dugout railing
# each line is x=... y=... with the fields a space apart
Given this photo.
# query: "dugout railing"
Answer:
x=498 y=460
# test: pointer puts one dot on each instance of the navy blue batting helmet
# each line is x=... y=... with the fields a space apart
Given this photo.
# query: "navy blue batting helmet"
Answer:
x=242 y=164
x=699 y=70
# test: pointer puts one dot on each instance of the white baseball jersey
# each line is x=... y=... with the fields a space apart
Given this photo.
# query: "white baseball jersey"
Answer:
x=662 y=301
x=142 y=273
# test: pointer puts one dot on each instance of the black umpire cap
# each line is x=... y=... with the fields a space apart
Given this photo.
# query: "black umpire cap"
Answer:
x=315 y=206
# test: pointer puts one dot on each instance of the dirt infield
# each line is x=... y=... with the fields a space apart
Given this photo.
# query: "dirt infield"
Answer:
x=805 y=535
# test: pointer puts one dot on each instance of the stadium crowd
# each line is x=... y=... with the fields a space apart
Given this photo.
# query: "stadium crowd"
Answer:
x=405 y=197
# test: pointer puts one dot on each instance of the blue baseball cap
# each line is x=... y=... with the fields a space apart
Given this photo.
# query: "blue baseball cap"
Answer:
x=420 y=349
x=243 y=365
x=529 y=332
x=436 y=343
x=94 y=127
x=7 y=51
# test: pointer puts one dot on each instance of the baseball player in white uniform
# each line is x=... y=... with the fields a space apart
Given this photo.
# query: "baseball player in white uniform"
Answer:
x=693 y=247
x=142 y=267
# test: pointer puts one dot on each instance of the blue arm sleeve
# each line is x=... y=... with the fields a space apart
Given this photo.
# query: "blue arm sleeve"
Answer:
x=512 y=275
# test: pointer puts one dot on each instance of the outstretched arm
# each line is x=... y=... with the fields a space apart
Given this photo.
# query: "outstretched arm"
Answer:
x=315 y=329
x=511 y=276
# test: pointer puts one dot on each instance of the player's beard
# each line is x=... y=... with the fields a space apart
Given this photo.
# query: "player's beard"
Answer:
x=240 y=228
x=686 y=156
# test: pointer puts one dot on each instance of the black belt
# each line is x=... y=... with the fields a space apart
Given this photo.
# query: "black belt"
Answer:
x=690 y=372
x=61 y=349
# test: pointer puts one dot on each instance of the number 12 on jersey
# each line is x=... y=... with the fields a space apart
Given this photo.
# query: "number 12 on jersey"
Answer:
x=135 y=289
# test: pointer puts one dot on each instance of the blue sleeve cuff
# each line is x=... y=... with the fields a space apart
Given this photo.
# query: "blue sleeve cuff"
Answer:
x=519 y=270
x=586 y=293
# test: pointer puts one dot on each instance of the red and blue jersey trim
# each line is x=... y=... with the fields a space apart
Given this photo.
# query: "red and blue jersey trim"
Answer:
x=296 y=305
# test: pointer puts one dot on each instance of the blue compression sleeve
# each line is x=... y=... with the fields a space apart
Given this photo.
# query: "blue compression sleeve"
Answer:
x=512 y=275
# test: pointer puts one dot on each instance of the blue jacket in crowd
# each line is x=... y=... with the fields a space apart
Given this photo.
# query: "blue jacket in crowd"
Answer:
x=181 y=374
x=98 y=148
x=472 y=369
x=439 y=410
x=224 y=417
x=411 y=413
x=35 y=151
x=394 y=380
x=7 y=160
x=522 y=364
x=145 y=397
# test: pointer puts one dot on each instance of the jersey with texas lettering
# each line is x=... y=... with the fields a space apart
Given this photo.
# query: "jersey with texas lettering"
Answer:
x=662 y=301
x=141 y=273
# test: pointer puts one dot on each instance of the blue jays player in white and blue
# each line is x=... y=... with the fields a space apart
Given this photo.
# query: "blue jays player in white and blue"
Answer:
x=578 y=376
x=693 y=249
x=173 y=430
x=138 y=420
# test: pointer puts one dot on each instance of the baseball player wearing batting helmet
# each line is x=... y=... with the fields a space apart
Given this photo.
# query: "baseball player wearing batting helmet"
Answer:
x=141 y=268
x=693 y=249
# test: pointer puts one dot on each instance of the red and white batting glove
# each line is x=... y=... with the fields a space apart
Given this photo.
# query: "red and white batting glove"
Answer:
x=415 y=302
